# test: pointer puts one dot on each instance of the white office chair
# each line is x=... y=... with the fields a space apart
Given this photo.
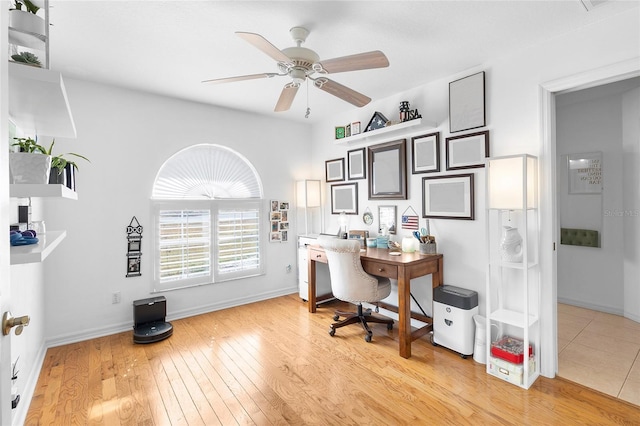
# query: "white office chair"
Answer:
x=350 y=283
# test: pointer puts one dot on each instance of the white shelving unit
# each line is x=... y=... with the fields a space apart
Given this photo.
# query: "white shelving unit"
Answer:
x=44 y=191
x=513 y=277
x=29 y=32
x=38 y=101
x=395 y=130
x=47 y=241
x=34 y=253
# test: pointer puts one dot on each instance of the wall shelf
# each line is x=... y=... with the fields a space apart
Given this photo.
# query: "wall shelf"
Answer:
x=24 y=190
x=38 y=101
x=35 y=253
x=395 y=130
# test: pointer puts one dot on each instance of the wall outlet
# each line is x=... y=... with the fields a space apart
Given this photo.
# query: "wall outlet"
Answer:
x=115 y=297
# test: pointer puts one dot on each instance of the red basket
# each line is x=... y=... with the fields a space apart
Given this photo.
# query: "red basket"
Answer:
x=510 y=349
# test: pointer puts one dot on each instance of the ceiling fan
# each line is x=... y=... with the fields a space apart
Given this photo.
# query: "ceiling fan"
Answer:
x=301 y=63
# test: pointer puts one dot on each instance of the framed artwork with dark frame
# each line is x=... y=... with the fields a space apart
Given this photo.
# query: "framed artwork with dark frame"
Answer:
x=334 y=170
x=467 y=103
x=388 y=170
x=133 y=266
x=344 y=198
x=467 y=151
x=378 y=121
x=425 y=153
x=356 y=164
x=134 y=245
x=448 y=197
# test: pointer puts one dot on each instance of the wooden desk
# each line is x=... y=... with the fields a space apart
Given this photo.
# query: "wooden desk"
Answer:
x=402 y=268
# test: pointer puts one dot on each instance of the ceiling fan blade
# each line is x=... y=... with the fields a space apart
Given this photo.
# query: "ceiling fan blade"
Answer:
x=263 y=44
x=342 y=92
x=360 y=61
x=286 y=97
x=241 y=77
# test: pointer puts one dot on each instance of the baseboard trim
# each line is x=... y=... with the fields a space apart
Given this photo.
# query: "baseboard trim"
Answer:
x=97 y=332
x=592 y=306
x=20 y=415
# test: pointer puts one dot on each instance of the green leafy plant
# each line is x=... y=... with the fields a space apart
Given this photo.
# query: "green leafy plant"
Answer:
x=59 y=162
x=26 y=58
x=28 y=4
x=30 y=146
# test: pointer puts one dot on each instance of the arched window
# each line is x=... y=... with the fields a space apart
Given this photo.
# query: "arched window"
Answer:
x=207 y=202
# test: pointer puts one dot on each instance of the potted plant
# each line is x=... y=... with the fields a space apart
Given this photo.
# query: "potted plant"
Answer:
x=31 y=164
x=26 y=19
x=25 y=24
x=62 y=169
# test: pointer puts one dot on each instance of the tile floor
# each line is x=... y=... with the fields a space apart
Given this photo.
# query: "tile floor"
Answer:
x=600 y=351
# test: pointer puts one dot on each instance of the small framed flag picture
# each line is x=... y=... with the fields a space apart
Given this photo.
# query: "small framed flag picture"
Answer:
x=410 y=219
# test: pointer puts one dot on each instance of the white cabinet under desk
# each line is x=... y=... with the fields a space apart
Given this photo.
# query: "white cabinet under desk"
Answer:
x=323 y=281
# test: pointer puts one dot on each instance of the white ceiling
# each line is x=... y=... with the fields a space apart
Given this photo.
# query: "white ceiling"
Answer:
x=169 y=47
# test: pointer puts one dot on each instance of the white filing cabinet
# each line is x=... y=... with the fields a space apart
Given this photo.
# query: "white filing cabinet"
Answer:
x=323 y=281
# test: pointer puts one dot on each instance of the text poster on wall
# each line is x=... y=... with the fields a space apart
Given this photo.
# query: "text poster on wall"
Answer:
x=585 y=173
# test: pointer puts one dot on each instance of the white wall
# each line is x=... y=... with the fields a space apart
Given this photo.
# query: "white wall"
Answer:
x=588 y=121
x=128 y=135
x=513 y=118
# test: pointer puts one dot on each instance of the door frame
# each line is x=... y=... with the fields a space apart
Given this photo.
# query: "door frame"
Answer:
x=5 y=285
x=549 y=212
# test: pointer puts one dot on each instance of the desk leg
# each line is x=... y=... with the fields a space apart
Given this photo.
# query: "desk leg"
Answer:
x=404 y=313
x=437 y=279
x=311 y=295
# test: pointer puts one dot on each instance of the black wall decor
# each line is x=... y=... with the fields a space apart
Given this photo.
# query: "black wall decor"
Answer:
x=134 y=245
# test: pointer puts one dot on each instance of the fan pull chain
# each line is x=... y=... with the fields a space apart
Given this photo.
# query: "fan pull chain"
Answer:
x=306 y=115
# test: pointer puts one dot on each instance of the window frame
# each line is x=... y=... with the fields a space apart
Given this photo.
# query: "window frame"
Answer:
x=214 y=206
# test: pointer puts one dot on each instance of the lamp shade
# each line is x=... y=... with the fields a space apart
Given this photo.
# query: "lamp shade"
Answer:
x=308 y=193
x=512 y=182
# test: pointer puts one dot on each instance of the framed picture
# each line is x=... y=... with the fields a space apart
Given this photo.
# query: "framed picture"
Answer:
x=466 y=103
x=133 y=266
x=334 y=170
x=344 y=198
x=134 y=245
x=279 y=221
x=356 y=164
x=448 y=197
x=387 y=218
x=585 y=173
x=467 y=151
x=388 y=170
x=340 y=132
x=425 y=153
x=378 y=121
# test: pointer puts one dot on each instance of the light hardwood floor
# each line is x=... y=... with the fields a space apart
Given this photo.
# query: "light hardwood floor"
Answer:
x=600 y=351
x=274 y=363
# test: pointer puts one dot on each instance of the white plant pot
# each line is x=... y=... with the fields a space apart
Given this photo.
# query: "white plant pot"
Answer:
x=26 y=22
x=27 y=167
x=27 y=30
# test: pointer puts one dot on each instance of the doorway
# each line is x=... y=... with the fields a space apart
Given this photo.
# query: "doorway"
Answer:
x=594 y=284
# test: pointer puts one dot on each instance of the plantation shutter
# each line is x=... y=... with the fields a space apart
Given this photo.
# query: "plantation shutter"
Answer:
x=184 y=244
x=238 y=240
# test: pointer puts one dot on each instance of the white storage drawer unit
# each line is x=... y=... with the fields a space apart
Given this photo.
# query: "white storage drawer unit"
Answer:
x=323 y=281
x=453 y=311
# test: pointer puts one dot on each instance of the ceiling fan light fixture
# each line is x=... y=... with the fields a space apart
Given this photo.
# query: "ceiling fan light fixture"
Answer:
x=298 y=75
